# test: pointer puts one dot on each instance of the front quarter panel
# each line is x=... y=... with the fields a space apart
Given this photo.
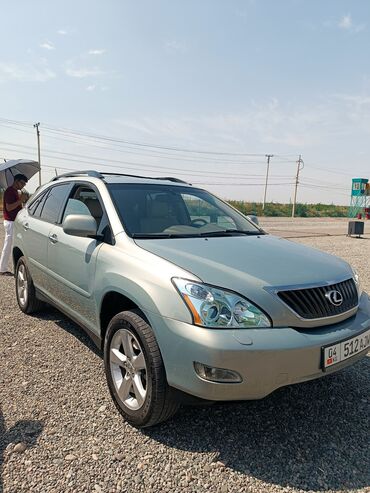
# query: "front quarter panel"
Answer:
x=142 y=277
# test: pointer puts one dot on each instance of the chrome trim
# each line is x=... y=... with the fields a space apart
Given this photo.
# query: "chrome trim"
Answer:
x=333 y=298
x=295 y=287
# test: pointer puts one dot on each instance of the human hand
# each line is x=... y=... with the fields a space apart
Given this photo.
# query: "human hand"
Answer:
x=24 y=197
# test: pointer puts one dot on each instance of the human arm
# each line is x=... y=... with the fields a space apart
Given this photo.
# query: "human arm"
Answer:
x=14 y=205
x=11 y=203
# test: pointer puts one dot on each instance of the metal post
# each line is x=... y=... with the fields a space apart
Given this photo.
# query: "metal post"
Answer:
x=299 y=162
x=36 y=126
x=267 y=177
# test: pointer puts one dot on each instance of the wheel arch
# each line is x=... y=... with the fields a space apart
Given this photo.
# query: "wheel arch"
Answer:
x=114 y=302
x=17 y=254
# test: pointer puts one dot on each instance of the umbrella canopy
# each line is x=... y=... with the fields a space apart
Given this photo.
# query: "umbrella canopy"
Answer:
x=9 y=169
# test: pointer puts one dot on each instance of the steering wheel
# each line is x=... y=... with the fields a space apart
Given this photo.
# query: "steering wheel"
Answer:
x=201 y=222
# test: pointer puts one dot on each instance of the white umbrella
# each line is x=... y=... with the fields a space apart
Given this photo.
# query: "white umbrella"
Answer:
x=9 y=169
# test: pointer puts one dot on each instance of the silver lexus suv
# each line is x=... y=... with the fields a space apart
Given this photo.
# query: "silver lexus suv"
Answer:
x=184 y=294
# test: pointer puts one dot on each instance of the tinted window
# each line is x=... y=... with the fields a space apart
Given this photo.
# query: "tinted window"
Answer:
x=35 y=208
x=53 y=204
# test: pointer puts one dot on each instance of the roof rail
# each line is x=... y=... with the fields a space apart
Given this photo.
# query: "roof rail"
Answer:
x=97 y=174
x=168 y=178
x=171 y=178
x=92 y=173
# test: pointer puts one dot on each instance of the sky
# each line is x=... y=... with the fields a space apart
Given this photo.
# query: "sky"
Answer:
x=198 y=89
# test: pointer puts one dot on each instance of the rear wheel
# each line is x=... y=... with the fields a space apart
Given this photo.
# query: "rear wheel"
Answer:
x=25 y=290
x=135 y=371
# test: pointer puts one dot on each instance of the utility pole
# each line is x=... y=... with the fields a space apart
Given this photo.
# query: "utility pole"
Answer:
x=36 y=126
x=299 y=168
x=269 y=156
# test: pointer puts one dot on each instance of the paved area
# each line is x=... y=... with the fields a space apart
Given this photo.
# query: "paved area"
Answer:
x=306 y=227
x=53 y=399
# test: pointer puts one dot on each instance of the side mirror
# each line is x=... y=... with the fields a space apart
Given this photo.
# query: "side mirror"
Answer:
x=253 y=218
x=80 y=225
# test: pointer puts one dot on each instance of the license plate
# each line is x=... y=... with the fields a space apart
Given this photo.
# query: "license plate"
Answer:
x=343 y=350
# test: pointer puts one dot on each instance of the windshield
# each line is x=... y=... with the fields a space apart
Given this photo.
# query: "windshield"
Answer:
x=165 y=211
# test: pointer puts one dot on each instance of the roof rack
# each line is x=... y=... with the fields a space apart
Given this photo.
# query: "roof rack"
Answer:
x=168 y=178
x=97 y=174
x=92 y=173
x=171 y=178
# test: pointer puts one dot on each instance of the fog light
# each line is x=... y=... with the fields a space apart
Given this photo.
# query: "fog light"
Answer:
x=216 y=374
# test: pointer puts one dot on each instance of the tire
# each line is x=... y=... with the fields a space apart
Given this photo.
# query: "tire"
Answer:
x=135 y=371
x=25 y=290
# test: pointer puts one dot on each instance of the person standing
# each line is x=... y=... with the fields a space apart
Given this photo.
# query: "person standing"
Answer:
x=12 y=204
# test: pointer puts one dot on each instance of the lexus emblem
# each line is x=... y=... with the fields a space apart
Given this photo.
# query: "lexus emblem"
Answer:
x=335 y=297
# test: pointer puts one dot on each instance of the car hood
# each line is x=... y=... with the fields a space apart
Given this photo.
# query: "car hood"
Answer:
x=241 y=262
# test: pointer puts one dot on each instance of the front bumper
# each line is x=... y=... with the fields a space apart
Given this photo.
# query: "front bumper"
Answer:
x=265 y=358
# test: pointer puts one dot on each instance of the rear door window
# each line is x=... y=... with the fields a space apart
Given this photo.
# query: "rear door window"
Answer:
x=35 y=208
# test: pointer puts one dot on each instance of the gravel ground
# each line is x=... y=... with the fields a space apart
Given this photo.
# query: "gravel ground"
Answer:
x=60 y=432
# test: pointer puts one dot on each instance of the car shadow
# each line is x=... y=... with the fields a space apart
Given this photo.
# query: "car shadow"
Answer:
x=312 y=436
x=54 y=315
x=26 y=431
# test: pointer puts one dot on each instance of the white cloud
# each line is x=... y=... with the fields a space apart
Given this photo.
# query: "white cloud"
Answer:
x=176 y=46
x=62 y=32
x=345 y=22
x=90 y=88
x=25 y=73
x=82 y=72
x=47 y=45
x=96 y=52
x=265 y=126
x=359 y=28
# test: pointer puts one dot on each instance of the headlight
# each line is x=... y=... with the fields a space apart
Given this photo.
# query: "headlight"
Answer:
x=356 y=278
x=214 y=307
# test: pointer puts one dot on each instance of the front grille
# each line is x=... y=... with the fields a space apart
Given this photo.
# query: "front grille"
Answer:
x=312 y=303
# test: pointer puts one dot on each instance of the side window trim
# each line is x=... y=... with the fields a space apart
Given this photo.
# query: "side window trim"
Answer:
x=43 y=200
x=40 y=199
x=64 y=203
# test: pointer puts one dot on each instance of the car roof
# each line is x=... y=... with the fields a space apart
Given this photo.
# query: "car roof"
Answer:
x=122 y=178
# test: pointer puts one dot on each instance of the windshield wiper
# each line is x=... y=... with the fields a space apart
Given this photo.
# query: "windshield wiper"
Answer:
x=220 y=233
x=146 y=236
x=248 y=233
x=231 y=232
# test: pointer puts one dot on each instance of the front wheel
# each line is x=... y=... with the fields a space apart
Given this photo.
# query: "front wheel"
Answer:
x=135 y=371
x=25 y=290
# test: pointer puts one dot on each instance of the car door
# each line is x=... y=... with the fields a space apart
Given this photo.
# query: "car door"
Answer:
x=36 y=227
x=72 y=260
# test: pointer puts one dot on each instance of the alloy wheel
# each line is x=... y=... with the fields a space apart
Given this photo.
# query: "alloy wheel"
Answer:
x=22 y=285
x=128 y=369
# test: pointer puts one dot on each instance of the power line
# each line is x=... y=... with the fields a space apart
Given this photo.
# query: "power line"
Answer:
x=66 y=131
x=122 y=148
x=144 y=165
x=243 y=184
x=326 y=187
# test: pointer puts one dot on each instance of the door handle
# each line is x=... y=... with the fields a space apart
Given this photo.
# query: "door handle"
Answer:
x=53 y=238
x=26 y=226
